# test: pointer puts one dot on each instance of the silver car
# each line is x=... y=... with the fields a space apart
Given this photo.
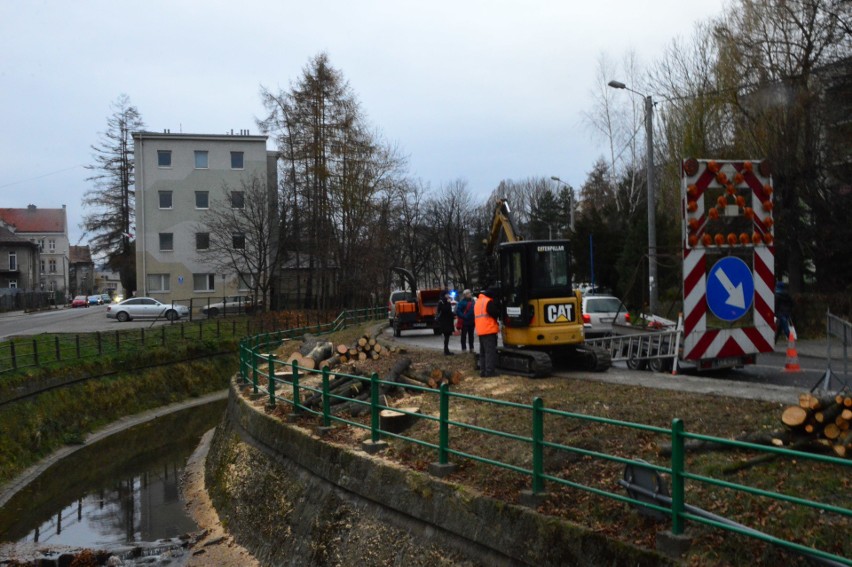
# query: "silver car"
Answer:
x=230 y=306
x=600 y=312
x=146 y=307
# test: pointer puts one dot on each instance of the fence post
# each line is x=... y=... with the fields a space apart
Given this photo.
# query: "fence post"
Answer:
x=677 y=476
x=443 y=424
x=537 y=448
x=142 y=335
x=12 y=354
x=326 y=401
x=271 y=378
x=77 y=344
x=294 y=366
x=58 y=350
x=100 y=342
x=117 y=341
x=254 y=372
x=163 y=336
x=35 y=352
x=374 y=408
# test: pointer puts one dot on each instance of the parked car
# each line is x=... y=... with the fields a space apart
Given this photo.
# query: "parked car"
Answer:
x=230 y=306
x=600 y=312
x=146 y=307
x=95 y=300
x=80 y=301
x=106 y=299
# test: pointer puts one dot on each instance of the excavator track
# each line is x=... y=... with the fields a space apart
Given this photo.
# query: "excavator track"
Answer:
x=520 y=362
x=596 y=359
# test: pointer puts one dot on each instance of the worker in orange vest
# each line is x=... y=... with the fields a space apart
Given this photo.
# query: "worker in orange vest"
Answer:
x=486 y=314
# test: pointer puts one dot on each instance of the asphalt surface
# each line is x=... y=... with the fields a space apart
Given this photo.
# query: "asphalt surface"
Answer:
x=768 y=380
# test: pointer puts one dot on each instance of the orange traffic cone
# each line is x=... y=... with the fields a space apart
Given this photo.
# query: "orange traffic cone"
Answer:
x=792 y=364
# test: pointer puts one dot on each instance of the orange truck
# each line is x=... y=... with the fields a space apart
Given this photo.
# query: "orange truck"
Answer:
x=416 y=314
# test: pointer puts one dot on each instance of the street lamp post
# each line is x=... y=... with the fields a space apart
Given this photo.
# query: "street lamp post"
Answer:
x=652 y=205
x=570 y=200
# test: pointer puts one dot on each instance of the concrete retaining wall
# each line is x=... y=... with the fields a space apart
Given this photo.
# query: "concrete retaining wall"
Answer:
x=292 y=499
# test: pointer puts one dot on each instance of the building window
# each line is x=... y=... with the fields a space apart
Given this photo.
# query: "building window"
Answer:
x=202 y=240
x=13 y=261
x=202 y=199
x=244 y=281
x=166 y=242
x=203 y=282
x=239 y=241
x=164 y=158
x=236 y=160
x=41 y=246
x=165 y=199
x=238 y=200
x=51 y=245
x=51 y=266
x=42 y=266
x=158 y=283
x=200 y=159
x=13 y=284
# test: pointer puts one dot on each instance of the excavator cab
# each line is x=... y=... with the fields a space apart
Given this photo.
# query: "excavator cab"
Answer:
x=532 y=270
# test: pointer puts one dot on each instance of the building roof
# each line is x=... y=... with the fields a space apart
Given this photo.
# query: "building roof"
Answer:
x=243 y=135
x=79 y=255
x=33 y=219
x=9 y=237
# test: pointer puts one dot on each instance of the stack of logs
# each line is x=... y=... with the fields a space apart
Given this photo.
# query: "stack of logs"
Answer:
x=828 y=419
x=350 y=389
x=316 y=354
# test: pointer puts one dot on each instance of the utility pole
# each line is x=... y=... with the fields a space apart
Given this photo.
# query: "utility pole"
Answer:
x=652 y=202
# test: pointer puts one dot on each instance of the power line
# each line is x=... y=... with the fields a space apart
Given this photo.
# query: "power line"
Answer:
x=41 y=176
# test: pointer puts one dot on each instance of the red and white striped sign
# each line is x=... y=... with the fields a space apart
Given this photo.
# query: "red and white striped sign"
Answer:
x=727 y=210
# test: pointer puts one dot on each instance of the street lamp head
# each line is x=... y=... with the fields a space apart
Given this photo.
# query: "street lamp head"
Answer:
x=617 y=85
x=554 y=178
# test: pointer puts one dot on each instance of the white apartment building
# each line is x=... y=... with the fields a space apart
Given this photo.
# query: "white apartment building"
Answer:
x=178 y=178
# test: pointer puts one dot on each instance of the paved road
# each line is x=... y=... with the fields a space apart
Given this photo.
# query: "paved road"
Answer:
x=66 y=320
x=769 y=372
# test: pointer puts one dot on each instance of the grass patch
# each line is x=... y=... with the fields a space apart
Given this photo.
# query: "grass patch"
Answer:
x=717 y=416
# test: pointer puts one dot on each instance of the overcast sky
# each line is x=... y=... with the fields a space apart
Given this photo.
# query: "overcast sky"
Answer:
x=475 y=90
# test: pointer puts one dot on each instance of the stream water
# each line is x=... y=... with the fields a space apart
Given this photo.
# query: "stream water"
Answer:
x=122 y=490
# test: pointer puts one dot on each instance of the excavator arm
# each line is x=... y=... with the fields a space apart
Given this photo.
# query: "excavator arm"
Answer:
x=502 y=222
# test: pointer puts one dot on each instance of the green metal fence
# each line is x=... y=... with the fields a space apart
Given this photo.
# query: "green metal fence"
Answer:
x=258 y=366
x=20 y=353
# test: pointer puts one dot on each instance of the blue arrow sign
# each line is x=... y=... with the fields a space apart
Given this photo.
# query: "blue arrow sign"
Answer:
x=730 y=288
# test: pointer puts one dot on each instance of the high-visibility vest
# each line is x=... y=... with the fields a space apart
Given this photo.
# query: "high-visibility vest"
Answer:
x=485 y=323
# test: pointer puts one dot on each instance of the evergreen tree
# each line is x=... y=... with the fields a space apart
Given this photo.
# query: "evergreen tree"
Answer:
x=111 y=200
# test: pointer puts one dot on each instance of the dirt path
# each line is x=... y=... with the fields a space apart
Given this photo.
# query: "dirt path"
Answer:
x=215 y=546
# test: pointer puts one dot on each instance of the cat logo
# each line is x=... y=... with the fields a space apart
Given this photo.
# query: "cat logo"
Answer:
x=559 y=313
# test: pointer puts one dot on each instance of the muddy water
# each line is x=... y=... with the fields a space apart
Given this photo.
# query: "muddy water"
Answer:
x=122 y=490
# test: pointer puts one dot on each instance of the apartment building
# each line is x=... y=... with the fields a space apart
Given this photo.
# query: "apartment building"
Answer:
x=178 y=178
x=19 y=261
x=47 y=228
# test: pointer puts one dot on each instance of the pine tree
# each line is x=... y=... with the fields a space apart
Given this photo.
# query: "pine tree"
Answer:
x=111 y=200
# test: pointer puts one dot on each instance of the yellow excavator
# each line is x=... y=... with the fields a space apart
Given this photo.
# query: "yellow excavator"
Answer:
x=540 y=311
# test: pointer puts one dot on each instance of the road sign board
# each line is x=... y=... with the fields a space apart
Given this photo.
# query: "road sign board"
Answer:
x=730 y=288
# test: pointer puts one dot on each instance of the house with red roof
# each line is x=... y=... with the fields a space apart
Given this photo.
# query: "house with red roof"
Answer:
x=47 y=229
x=19 y=262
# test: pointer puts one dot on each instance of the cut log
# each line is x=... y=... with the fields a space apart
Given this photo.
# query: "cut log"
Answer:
x=776 y=438
x=794 y=416
x=831 y=431
x=341 y=349
x=842 y=447
x=422 y=376
x=309 y=341
x=320 y=352
x=828 y=414
x=394 y=421
x=332 y=362
x=378 y=347
x=363 y=341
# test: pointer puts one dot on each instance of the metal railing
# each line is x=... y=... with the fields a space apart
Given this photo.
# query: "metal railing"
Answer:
x=258 y=369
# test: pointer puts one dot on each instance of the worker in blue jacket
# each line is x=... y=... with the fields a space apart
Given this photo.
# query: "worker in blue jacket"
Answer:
x=466 y=319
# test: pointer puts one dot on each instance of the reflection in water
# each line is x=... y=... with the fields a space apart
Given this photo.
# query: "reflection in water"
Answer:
x=146 y=507
x=122 y=490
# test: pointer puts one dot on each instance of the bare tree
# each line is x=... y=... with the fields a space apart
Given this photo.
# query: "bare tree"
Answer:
x=111 y=200
x=242 y=234
x=337 y=178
